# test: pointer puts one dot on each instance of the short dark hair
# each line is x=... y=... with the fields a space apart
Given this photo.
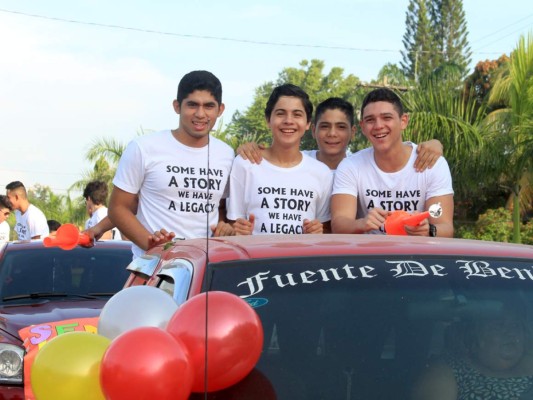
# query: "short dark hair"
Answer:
x=289 y=90
x=97 y=192
x=335 y=103
x=15 y=185
x=383 y=94
x=53 y=225
x=199 y=80
x=19 y=187
x=5 y=202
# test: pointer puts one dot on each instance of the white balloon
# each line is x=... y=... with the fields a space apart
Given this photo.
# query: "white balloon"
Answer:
x=135 y=307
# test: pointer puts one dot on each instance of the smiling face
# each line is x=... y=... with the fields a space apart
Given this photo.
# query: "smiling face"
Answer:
x=382 y=125
x=333 y=132
x=198 y=113
x=288 y=122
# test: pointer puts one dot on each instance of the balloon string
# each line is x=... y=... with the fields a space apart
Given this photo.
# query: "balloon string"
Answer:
x=207 y=276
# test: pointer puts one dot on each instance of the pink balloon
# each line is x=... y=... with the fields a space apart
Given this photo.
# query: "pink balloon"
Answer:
x=146 y=363
x=234 y=338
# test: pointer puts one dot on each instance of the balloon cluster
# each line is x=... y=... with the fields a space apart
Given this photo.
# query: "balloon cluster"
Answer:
x=149 y=348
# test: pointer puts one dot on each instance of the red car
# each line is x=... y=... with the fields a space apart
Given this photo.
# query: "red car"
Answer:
x=361 y=316
x=41 y=285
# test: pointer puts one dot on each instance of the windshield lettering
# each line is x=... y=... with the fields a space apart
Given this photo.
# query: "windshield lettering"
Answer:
x=415 y=268
x=255 y=283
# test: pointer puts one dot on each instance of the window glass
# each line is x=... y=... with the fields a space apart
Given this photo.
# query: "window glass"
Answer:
x=77 y=271
x=367 y=328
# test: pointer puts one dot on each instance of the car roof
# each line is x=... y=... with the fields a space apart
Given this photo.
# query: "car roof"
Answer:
x=267 y=246
x=38 y=244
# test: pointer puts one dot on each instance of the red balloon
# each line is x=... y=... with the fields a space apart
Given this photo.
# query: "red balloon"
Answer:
x=234 y=338
x=146 y=363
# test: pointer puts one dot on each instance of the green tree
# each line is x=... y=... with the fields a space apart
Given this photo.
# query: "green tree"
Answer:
x=435 y=40
x=55 y=206
x=105 y=153
x=512 y=127
x=479 y=83
x=450 y=34
x=418 y=41
x=392 y=75
x=309 y=76
x=439 y=110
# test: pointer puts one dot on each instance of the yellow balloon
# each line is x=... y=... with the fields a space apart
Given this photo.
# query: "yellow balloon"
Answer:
x=68 y=367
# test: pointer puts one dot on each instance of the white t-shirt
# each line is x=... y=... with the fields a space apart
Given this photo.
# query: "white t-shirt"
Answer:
x=4 y=232
x=280 y=198
x=31 y=223
x=358 y=175
x=310 y=153
x=176 y=190
x=98 y=215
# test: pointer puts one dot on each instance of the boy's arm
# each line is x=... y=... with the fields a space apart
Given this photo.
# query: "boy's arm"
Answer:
x=443 y=224
x=121 y=212
x=97 y=232
x=344 y=210
x=251 y=151
x=244 y=226
x=313 y=226
x=428 y=154
x=224 y=227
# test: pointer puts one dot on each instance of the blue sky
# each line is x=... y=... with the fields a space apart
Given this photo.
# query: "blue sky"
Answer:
x=67 y=84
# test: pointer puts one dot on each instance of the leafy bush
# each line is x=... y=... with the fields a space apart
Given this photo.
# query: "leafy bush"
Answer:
x=496 y=225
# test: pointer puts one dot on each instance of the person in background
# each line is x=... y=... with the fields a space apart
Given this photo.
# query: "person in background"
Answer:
x=487 y=356
x=53 y=226
x=31 y=221
x=95 y=195
x=5 y=210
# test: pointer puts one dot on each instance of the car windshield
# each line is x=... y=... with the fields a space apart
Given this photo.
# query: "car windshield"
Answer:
x=34 y=274
x=365 y=328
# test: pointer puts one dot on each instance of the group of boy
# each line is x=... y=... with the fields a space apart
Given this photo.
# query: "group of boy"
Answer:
x=176 y=182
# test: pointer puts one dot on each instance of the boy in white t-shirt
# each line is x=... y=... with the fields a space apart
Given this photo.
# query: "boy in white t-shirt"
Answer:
x=173 y=182
x=95 y=195
x=5 y=210
x=31 y=221
x=288 y=193
x=380 y=179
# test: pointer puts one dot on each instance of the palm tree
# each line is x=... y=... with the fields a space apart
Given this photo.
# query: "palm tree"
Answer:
x=438 y=109
x=513 y=125
x=105 y=154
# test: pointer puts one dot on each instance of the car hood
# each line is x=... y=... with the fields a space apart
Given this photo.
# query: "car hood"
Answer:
x=14 y=318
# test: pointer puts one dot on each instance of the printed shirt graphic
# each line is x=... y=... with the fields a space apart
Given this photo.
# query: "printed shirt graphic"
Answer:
x=31 y=223
x=358 y=175
x=176 y=190
x=280 y=198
